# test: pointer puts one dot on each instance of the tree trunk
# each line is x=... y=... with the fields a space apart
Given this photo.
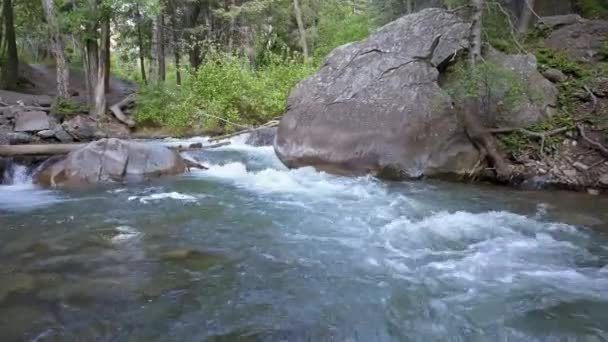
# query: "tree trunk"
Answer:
x=10 y=69
x=176 y=47
x=475 y=37
x=140 y=45
x=161 y=46
x=302 y=30
x=102 y=68
x=91 y=65
x=526 y=16
x=152 y=69
x=63 y=72
x=107 y=56
x=192 y=21
x=409 y=5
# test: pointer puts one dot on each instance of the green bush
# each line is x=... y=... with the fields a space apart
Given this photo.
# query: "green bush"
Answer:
x=551 y=58
x=593 y=8
x=223 y=89
x=486 y=79
x=65 y=109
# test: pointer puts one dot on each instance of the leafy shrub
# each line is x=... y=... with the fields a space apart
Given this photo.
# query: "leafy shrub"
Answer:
x=593 y=8
x=224 y=91
x=66 y=109
x=551 y=58
x=486 y=80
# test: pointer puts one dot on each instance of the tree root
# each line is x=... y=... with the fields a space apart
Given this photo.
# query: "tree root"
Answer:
x=540 y=135
x=595 y=144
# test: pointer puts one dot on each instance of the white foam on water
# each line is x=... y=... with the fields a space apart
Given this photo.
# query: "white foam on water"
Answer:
x=163 y=196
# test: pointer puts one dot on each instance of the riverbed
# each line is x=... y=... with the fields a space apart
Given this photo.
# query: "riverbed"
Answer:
x=251 y=251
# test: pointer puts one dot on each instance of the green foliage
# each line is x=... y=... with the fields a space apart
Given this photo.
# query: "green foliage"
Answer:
x=66 y=109
x=593 y=8
x=337 y=26
x=224 y=87
x=486 y=80
x=551 y=58
x=497 y=28
x=604 y=50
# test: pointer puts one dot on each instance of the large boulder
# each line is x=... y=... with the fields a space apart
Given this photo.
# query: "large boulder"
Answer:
x=31 y=121
x=581 y=40
x=381 y=105
x=111 y=160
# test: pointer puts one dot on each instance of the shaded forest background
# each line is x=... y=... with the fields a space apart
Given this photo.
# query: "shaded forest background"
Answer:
x=218 y=64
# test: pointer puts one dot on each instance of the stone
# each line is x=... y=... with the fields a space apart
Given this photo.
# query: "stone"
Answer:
x=554 y=75
x=380 y=106
x=570 y=173
x=262 y=137
x=603 y=180
x=17 y=138
x=15 y=283
x=542 y=96
x=31 y=121
x=83 y=128
x=110 y=161
x=46 y=134
x=62 y=135
x=558 y=21
x=593 y=192
x=580 y=166
x=581 y=41
x=193 y=259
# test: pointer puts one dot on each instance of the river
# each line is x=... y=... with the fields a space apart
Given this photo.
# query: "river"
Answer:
x=251 y=251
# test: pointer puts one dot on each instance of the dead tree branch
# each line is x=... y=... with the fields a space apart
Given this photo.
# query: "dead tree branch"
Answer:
x=595 y=144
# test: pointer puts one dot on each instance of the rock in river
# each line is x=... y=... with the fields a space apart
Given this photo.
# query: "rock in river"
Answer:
x=379 y=105
x=262 y=137
x=111 y=160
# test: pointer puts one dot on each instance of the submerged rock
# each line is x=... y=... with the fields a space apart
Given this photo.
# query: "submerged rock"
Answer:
x=193 y=259
x=110 y=160
x=381 y=106
x=262 y=137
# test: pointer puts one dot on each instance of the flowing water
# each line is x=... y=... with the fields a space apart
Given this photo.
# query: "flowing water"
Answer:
x=250 y=251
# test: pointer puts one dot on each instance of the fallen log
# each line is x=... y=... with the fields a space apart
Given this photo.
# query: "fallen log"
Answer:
x=273 y=123
x=55 y=149
x=118 y=113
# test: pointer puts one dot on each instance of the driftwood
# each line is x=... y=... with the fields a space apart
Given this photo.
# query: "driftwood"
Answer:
x=55 y=149
x=28 y=108
x=273 y=123
x=118 y=113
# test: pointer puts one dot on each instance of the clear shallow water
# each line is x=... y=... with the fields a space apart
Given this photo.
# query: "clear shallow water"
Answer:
x=250 y=251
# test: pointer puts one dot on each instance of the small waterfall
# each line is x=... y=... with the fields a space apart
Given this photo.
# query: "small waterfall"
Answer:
x=16 y=174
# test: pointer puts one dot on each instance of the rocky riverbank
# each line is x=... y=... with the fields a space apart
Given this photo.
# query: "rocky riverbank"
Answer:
x=389 y=106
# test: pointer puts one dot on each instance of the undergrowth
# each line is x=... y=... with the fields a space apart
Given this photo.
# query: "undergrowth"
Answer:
x=224 y=90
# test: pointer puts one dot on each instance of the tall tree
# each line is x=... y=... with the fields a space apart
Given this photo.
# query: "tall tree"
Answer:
x=526 y=15
x=160 y=53
x=57 y=48
x=140 y=43
x=10 y=69
x=107 y=54
x=175 y=41
x=476 y=29
x=301 y=30
x=153 y=68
